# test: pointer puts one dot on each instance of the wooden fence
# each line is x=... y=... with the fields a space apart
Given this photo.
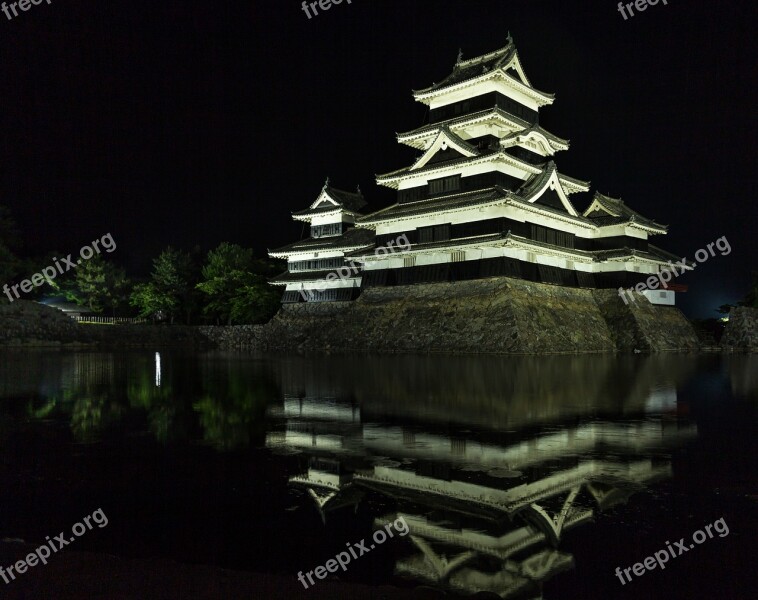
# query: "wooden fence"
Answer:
x=97 y=320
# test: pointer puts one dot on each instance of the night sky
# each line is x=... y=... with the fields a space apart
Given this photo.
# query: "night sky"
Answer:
x=194 y=122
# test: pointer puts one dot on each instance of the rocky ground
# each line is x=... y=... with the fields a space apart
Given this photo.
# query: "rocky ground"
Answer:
x=497 y=315
x=741 y=333
x=28 y=324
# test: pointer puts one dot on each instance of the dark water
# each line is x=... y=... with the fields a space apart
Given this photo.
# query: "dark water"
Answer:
x=523 y=477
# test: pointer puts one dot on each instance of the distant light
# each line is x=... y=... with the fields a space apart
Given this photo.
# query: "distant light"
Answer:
x=724 y=319
x=157 y=369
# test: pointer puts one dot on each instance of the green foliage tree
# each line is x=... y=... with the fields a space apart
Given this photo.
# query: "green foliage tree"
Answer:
x=236 y=288
x=171 y=288
x=146 y=299
x=117 y=288
x=91 y=283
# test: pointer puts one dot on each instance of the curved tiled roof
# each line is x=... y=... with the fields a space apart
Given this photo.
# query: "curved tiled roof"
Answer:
x=306 y=276
x=537 y=129
x=351 y=238
x=465 y=70
x=451 y=201
x=347 y=201
x=619 y=213
x=484 y=153
x=470 y=117
x=353 y=201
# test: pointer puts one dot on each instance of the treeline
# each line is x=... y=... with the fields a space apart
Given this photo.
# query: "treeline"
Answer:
x=228 y=285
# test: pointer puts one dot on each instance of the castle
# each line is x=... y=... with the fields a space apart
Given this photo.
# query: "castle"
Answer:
x=484 y=198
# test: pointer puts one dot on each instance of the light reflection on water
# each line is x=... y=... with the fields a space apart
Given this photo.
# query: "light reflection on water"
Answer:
x=491 y=461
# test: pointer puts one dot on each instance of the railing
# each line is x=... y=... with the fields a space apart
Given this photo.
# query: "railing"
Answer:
x=97 y=320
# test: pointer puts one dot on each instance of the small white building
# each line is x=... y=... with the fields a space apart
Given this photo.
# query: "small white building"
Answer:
x=317 y=270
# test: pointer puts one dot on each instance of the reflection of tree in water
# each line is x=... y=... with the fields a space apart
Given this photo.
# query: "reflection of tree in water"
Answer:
x=98 y=391
x=166 y=416
x=104 y=391
x=232 y=409
x=92 y=413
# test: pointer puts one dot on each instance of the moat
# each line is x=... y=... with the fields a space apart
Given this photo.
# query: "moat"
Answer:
x=271 y=464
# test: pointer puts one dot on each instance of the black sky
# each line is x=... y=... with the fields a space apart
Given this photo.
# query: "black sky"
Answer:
x=194 y=122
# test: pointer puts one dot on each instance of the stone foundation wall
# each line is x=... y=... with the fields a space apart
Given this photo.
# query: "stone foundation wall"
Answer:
x=29 y=324
x=640 y=325
x=235 y=336
x=498 y=315
x=495 y=315
x=741 y=333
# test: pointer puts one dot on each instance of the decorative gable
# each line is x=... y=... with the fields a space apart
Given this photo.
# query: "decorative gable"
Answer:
x=531 y=140
x=514 y=66
x=325 y=200
x=446 y=140
x=549 y=191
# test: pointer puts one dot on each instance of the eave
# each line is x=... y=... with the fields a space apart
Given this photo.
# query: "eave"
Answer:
x=393 y=179
x=550 y=144
x=650 y=228
x=307 y=217
x=375 y=219
x=305 y=277
x=544 y=210
x=540 y=98
x=572 y=185
x=423 y=133
x=307 y=251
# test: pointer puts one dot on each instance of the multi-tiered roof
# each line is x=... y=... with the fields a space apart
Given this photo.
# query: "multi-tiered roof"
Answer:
x=486 y=179
x=331 y=218
x=483 y=197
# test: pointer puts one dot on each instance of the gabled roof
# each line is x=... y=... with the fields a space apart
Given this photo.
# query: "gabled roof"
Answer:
x=504 y=61
x=331 y=199
x=482 y=115
x=352 y=239
x=548 y=180
x=653 y=254
x=666 y=255
x=489 y=155
x=445 y=139
x=454 y=201
x=536 y=133
x=605 y=210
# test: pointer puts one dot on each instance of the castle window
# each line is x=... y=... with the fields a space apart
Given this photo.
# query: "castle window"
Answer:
x=445 y=185
x=436 y=233
x=318 y=231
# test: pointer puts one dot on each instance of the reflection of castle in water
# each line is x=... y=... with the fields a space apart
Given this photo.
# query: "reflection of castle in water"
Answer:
x=486 y=510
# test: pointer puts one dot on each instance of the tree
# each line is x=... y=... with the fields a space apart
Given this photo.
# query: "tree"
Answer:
x=146 y=299
x=91 y=277
x=236 y=287
x=171 y=288
x=117 y=288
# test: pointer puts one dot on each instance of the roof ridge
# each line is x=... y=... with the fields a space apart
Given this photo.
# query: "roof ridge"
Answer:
x=485 y=57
